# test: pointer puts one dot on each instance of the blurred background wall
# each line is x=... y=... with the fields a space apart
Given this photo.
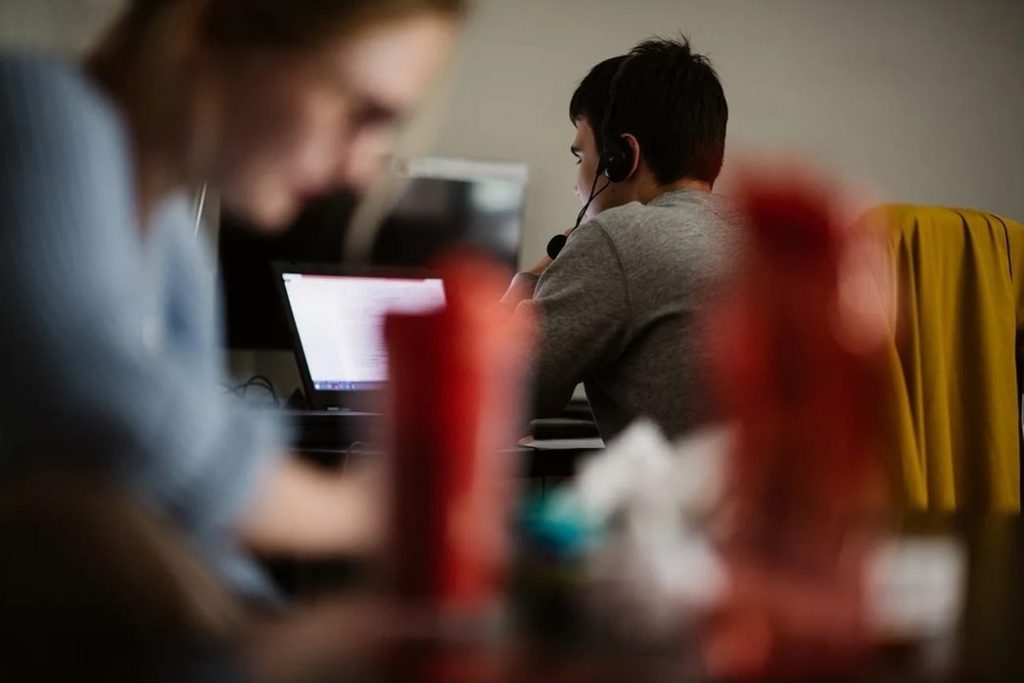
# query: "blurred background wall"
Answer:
x=66 y=26
x=921 y=100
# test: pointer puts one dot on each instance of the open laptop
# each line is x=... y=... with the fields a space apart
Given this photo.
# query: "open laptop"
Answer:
x=337 y=319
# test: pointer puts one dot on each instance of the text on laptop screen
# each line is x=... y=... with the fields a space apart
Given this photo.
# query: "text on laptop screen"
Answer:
x=340 y=323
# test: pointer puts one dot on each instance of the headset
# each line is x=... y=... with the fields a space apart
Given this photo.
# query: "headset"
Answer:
x=615 y=164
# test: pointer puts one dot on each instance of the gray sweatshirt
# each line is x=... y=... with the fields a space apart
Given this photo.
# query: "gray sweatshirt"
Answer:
x=621 y=307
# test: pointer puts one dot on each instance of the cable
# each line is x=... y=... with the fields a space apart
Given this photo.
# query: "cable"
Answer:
x=556 y=243
x=595 y=196
x=590 y=199
x=261 y=381
x=200 y=204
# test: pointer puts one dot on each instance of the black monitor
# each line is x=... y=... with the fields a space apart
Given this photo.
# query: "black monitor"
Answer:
x=454 y=201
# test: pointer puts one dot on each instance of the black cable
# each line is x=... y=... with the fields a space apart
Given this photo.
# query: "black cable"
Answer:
x=556 y=243
x=261 y=381
x=590 y=198
x=597 y=194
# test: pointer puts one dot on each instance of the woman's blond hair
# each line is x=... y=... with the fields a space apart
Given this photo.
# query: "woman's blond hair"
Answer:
x=288 y=23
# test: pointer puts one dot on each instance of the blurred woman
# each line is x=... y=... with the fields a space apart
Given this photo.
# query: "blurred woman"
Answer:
x=108 y=332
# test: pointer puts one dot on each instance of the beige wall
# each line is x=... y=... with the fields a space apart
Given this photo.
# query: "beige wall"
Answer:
x=65 y=26
x=923 y=100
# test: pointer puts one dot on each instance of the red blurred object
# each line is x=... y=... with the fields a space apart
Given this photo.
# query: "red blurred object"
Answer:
x=805 y=483
x=455 y=392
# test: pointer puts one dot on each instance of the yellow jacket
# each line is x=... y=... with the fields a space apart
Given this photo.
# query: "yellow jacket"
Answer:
x=954 y=356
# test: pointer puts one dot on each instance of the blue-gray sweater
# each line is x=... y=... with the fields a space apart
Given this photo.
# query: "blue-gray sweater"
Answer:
x=109 y=335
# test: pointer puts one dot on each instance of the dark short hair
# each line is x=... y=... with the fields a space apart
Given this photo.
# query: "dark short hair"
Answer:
x=669 y=98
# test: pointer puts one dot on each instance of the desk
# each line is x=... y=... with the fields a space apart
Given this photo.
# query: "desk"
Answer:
x=534 y=462
x=326 y=437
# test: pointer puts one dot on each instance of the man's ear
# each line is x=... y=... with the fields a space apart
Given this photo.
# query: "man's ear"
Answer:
x=634 y=148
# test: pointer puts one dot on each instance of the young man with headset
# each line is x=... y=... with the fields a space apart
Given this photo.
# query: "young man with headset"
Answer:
x=620 y=298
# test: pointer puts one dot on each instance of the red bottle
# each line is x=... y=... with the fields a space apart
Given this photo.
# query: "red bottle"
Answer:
x=798 y=370
x=455 y=384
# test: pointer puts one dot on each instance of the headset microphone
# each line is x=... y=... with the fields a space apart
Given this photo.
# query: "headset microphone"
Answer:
x=556 y=244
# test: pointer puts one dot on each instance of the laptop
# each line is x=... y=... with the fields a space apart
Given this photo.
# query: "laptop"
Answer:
x=337 y=320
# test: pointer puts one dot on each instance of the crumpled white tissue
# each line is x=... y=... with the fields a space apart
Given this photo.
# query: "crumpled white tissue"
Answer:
x=659 y=562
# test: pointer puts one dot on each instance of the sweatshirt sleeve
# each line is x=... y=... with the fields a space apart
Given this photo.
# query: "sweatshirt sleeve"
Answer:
x=582 y=308
x=83 y=388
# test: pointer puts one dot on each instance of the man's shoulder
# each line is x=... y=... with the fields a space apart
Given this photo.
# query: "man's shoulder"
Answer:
x=668 y=215
x=611 y=224
x=618 y=216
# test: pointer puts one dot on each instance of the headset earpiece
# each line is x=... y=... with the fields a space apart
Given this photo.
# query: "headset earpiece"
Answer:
x=617 y=160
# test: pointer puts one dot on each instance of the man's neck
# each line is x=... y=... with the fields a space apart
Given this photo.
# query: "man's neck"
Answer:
x=654 y=190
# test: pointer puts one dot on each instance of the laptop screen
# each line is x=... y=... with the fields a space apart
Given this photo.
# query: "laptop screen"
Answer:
x=339 y=320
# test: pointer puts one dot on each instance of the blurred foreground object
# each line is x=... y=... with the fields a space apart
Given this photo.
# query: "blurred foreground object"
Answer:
x=623 y=554
x=456 y=377
x=955 y=356
x=798 y=363
x=660 y=562
x=93 y=586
